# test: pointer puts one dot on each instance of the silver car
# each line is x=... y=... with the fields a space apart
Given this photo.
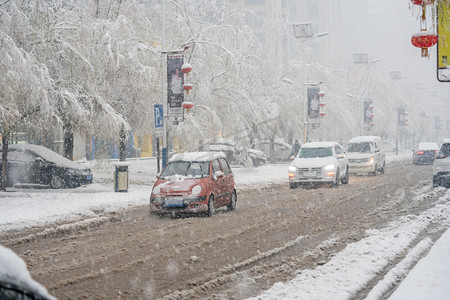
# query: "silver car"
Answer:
x=319 y=163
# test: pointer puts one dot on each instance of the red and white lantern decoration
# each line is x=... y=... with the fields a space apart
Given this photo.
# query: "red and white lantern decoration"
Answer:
x=322 y=104
x=188 y=105
x=424 y=39
x=187 y=87
x=186 y=68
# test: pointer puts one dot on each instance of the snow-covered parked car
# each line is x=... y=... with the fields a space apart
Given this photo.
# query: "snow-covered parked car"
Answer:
x=278 y=151
x=15 y=279
x=235 y=155
x=194 y=182
x=319 y=163
x=365 y=155
x=33 y=165
x=425 y=153
x=441 y=165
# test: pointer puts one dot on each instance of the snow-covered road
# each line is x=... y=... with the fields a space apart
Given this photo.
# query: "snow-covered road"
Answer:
x=340 y=278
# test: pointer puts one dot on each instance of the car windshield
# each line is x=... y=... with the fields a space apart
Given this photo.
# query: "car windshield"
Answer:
x=315 y=152
x=192 y=169
x=363 y=147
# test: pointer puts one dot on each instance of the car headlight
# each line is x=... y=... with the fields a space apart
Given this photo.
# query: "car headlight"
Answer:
x=371 y=160
x=292 y=169
x=156 y=190
x=329 y=168
x=196 y=190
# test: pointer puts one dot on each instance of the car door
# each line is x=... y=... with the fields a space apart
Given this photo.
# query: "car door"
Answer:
x=228 y=184
x=218 y=186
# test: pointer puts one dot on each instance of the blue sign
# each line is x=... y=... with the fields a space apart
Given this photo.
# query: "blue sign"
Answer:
x=159 y=116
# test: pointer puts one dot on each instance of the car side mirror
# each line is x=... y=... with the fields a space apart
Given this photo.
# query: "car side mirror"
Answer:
x=440 y=156
x=218 y=174
x=377 y=150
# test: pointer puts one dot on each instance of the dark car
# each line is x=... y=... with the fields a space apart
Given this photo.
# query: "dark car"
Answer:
x=441 y=166
x=425 y=153
x=34 y=165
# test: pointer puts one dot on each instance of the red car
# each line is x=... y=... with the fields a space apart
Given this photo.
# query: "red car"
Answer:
x=194 y=182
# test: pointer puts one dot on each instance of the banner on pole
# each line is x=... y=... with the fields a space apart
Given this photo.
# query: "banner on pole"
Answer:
x=313 y=105
x=368 y=111
x=175 y=81
x=401 y=117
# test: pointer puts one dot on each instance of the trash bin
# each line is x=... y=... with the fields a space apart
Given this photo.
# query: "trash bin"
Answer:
x=121 y=177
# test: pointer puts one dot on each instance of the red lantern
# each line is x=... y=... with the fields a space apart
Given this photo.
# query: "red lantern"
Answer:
x=188 y=105
x=424 y=40
x=321 y=94
x=422 y=2
x=322 y=104
x=371 y=107
x=187 y=87
x=372 y=124
x=186 y=68
x=322 y=114
x=372 y=115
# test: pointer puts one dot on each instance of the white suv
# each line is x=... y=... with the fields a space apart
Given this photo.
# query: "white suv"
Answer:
x=365 y=155
x=441 y=166
x=320 y=162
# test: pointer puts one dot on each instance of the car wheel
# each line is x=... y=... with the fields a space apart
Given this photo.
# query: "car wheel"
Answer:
x=292 y=185
x=57 y=182
x=232 y=205
x=435 y=182
x=345 y=179
x=382 y=168
x=211 y=206
x=375 y=171
x=336 y=179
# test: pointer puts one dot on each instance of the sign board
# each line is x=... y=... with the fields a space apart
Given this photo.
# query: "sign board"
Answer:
x=437 y=123
x=361 y=58
x=303 y=30
x=159 y=118
x=443 y=44
x=175 y=81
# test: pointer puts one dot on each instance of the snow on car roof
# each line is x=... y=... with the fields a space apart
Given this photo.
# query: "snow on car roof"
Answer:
x=14 y=271
x=428 y=146
x=48 y=155
x=367 y=138
x=319 y=144
x=197 y=156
